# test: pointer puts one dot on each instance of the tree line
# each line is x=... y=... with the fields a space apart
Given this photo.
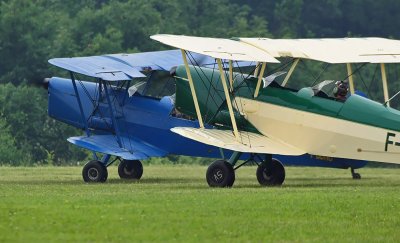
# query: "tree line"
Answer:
x=31 y=32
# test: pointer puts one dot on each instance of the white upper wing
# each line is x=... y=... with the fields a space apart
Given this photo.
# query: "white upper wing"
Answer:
x=217 y=48
x=332 y=50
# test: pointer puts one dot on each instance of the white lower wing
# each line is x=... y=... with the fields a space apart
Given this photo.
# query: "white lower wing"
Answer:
x=248 y=142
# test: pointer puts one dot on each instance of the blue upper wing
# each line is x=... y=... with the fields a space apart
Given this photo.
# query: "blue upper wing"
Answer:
x=163 y=60
x=98 y=67
x=118 y=67
x=107 y=144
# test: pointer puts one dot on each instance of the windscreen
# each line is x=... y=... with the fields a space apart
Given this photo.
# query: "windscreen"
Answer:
x=157 y=84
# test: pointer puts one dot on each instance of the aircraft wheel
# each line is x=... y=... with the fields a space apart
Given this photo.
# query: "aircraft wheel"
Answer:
x=94 y=171
x=220 y=174
x=356 y=176
x=271 y=173
x=130 y=169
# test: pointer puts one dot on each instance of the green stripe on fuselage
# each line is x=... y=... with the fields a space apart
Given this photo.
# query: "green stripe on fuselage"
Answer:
x=212 y=101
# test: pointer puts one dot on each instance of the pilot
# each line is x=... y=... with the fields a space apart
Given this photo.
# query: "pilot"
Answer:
x=341 y=90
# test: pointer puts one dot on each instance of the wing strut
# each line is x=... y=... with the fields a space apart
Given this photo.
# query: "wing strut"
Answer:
x=260 y=75
x=112 y=112
x=256 y=70
x=385 y=86
x=350 y=75
x=289 y=74
x=231 y=75
x=196 y=103
x=78 y=98
x=228 y=99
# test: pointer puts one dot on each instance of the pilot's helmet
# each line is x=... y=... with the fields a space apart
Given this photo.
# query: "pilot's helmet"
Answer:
x=342 y=87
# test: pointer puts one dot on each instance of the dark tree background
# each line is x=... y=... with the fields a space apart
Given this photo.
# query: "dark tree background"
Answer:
x=33 y=31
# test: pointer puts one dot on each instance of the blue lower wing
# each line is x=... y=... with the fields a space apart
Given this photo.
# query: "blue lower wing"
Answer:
x=107 y=144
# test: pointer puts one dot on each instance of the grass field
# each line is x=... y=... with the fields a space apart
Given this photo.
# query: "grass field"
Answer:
x=174 y=203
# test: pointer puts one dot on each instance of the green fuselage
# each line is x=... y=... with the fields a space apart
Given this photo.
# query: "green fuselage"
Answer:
x=214 y=110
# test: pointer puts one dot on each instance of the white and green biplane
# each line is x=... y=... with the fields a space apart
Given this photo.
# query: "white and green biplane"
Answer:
x=254 y=114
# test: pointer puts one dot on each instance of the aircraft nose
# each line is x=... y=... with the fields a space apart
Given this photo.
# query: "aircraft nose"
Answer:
x=45 y=83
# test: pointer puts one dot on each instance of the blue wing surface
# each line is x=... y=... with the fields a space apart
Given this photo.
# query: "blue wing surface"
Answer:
x=156 y=60
x=165 y=60
x=98 y=67
x=118 y=67
x=107 y=144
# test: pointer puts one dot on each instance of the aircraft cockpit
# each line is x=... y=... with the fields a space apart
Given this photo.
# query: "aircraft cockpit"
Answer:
x=324 y=89
x=331 y=89
x=156 y=84
x=327 y=89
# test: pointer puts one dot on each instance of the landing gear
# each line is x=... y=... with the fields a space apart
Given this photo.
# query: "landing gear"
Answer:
x=220 y=174
x=94 y=171
x=356 y=176
x=130 y=169
x=271 y=172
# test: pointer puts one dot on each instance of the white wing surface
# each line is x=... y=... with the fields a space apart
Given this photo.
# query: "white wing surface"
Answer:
x=332 y=50
x=249 y=142
x=216 y=47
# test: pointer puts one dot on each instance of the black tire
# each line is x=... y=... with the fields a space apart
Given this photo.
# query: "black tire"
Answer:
x=271 y=173
x=220 y=174
x=94 y=171
x=356 y=176
x=130 y=169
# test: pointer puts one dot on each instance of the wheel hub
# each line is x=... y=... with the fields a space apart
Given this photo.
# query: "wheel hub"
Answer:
x=128 y=170
x=218 y=175
x=267 y=174
x=93 y=173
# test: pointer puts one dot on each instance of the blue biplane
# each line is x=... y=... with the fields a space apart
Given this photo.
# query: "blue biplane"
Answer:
x=127 y=111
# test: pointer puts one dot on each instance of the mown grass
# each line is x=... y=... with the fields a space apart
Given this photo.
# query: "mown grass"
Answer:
x=174 y=203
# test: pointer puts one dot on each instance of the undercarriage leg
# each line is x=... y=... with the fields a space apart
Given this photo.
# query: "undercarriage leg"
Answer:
x=234 y=158
x=105 y=159
x=355 y=175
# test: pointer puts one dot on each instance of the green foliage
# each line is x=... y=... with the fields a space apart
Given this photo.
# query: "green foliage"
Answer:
x=26 y=33
x=31 y=32
x=30 y=131
x=328 y=18
x=288 y=15
x=9 y=153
